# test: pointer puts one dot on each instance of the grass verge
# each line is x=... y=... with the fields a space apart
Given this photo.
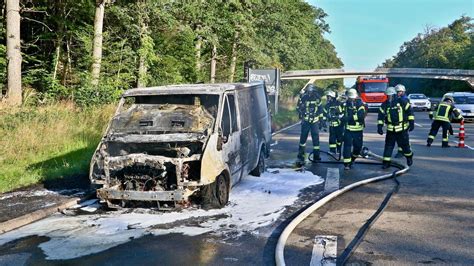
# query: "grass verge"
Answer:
x=38 y=144
x=285 y=117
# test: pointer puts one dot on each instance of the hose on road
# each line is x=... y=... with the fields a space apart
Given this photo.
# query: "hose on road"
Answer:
x=280 y=247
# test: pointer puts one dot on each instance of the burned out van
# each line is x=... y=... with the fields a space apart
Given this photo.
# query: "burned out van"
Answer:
x=169 y=145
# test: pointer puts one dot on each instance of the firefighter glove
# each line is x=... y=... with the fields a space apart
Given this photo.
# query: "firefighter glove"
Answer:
x=380 y=130
x=411 y=125
x=431 y=116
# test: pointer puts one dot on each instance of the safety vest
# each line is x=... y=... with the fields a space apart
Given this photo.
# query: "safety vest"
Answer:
x=442 y=113
x=353 y=123
x=333 y=112
x=311 y=114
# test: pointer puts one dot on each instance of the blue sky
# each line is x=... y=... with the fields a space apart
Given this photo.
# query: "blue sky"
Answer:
x=366 y=32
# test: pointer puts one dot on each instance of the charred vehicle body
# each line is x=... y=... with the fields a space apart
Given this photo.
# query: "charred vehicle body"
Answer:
x=167 y=145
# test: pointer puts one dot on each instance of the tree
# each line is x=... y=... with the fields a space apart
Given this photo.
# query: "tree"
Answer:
x=14 y=57
x=97 y=48
x=447 y=47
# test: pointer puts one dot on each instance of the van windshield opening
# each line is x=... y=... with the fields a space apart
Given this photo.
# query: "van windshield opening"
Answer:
x=161 y=114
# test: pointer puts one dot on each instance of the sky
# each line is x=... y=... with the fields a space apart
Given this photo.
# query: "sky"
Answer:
x=366 y=32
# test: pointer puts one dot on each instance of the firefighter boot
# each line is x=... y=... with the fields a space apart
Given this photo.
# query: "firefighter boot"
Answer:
x=316 y=156
x=385 y=164
x=428 y=142
x=301 y=154
x=445 y=144
x=409 y=160
x=332 y=150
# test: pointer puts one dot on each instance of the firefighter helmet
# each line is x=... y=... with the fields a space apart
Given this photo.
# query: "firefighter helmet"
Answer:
x=390 y=91
x=352 y=94
x=400 y=88
x=331 y=94
x=310 y=88
x=448 y=98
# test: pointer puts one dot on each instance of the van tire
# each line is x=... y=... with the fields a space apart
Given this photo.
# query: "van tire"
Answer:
x=216 y=194
x=260 y=168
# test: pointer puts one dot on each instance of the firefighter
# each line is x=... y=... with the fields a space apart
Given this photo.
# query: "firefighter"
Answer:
x=401 y=93
x=311 y=113
x=333 y=112
x=398 y=115
x=354 y=115
x=444 y=113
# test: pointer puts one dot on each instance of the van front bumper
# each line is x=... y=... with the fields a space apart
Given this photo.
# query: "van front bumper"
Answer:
x=113 y=194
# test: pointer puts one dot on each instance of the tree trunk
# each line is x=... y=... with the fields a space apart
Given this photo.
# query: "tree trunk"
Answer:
x=142 y=61
x=213 y=63
x=57 y=58
x=233 y=61
x=97 y=43
x=13 y=53
x=197 y=48
x=142 y=72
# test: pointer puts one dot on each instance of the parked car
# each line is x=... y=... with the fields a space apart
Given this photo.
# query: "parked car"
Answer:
x=419 y=101
x=172 y=144
x=464 y=101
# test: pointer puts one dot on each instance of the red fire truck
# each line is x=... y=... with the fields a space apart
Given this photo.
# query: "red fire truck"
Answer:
x=372 y=90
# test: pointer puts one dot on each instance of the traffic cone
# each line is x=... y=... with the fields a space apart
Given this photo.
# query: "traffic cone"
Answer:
x=461 y=135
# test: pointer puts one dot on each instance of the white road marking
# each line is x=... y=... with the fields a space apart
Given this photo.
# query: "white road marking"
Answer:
x=332 y=180
x=467 y=146
x=283 y=129
x=418 y=125
x=274 y=143
x=324 y=251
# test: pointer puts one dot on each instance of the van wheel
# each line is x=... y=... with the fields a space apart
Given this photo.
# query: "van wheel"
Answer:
x=222 y=191
x=260 y=169
x=215 y=195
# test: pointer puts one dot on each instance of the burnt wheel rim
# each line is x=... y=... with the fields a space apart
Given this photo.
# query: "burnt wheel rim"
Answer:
x=221 y=190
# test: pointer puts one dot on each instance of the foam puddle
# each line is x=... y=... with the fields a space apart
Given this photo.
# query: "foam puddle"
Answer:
x=254 y=203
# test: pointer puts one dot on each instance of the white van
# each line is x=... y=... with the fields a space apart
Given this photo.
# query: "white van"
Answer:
x=168 y=145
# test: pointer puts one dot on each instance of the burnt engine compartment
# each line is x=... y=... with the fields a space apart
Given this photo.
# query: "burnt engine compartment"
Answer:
x=168 y=149
x=146 y=178
x=143 y=173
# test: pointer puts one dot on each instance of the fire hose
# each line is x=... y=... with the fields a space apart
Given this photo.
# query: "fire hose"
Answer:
x=280 y=247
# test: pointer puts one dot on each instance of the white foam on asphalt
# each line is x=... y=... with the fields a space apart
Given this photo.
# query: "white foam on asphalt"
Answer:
x=38 y=193
x=254 y=203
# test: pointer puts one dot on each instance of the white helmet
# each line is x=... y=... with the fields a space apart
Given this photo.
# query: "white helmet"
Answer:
x=331 y=94
x=390 y=91
x=352 y=94
x=400 y=88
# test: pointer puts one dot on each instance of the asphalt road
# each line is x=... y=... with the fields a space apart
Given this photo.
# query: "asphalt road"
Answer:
x=428 y=220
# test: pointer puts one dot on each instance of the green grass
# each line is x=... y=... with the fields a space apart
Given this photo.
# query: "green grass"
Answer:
x=38 y=144
x=285 y=117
